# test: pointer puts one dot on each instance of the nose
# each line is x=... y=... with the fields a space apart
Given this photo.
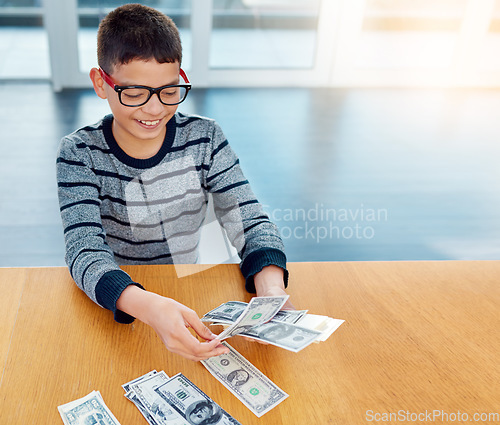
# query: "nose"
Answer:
x=154 y=107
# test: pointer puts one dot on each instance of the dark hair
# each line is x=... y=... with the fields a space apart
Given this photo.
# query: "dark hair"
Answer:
x=135 y=31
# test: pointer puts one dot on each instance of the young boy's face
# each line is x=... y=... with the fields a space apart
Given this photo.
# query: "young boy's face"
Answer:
x=146 y=123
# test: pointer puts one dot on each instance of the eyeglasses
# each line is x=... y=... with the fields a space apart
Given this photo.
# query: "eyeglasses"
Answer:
x=139 y=95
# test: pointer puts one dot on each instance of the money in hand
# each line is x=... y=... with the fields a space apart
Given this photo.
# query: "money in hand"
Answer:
x=90 y=409
x=285 y=335
x=229 y=312
x=245 y=381
x=259 y=310
x=225 y=313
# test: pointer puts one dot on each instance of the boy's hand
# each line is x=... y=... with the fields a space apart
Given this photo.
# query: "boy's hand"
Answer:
x=269 y=282
x=171 y=321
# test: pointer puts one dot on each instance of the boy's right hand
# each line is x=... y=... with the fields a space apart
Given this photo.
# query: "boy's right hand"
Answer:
x=171 y=320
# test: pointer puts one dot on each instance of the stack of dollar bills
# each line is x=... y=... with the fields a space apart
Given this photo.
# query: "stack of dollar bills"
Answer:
x=174 y=401
x=262 y=319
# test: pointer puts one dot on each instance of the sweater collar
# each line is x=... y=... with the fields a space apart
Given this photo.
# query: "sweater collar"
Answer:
x=120 y=154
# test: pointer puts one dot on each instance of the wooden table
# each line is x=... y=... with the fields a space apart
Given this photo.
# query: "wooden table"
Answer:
x=419 y=337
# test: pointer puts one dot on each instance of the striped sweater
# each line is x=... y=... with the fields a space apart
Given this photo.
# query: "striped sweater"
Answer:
x=117 y=210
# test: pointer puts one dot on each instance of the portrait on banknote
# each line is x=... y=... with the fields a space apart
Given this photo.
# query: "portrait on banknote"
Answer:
x=203 y=413
x=238 y=377
x=276 y=331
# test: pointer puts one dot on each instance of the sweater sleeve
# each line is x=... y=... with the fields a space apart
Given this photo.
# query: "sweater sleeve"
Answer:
x=247 y=225
x=90 y=260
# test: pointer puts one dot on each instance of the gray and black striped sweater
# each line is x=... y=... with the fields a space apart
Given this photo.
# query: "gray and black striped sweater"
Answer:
x=116 y=209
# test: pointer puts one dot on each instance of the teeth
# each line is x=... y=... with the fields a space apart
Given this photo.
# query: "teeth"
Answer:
x=149 y=122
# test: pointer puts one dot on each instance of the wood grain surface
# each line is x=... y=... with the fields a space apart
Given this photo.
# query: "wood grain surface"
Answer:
x=418 y=336
x=11 y=288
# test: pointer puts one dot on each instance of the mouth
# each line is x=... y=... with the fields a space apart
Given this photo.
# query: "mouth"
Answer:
x=150 y=124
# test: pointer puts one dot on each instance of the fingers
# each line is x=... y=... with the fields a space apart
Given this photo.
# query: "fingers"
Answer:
x=189 y=347
x=171 y=321
x=184 y=343
x=192 y=320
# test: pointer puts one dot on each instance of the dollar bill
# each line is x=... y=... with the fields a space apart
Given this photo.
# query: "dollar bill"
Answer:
x=126 y=387
x=285 y=335
x=90 y=409
x=225 y=313
x=289 y=316
x=192 y=404
x=259 y=310
x=132 y=396
x=245 y=381
x=153 y=404
x=230 y=311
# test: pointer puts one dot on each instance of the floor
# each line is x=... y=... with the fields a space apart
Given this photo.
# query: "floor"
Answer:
x=358 y=174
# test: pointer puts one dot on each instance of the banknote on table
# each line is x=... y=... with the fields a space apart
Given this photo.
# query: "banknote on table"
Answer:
x=192 y=404
x=90 y=409
x=160 y=409
x=285 y=335
x=126 y=387
x=152 y=403
x=132 y=396
x=259 y=310
x=245 y=381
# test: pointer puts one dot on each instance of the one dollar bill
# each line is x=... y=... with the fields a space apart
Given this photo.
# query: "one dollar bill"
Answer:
x=230 y=311
x=245 y=381
x=285 y=335
x=259 y=310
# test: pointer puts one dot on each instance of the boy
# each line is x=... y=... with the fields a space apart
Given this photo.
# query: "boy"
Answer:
x=133 y=188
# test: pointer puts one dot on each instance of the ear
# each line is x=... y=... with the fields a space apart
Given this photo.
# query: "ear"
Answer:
x=98 y=83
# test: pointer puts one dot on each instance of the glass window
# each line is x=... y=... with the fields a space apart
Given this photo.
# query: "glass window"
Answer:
x=90 y=13
x=488 y=57
x=409 y=33
x=264 y=33
x=24 y=46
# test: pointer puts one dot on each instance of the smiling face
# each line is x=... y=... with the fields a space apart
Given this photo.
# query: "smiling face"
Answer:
x=139 y=129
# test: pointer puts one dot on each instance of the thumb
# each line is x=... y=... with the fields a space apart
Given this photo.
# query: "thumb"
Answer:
x=200 y=329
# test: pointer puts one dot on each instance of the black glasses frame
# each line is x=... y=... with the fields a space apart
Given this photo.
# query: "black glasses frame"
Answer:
x=152 y=91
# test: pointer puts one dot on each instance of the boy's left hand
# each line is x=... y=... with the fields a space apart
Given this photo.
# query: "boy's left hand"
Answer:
x=269 y=283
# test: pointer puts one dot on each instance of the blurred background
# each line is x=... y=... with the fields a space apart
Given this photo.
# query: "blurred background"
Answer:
x=368 y=128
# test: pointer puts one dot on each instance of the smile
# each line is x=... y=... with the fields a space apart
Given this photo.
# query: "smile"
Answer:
x=149 y=123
